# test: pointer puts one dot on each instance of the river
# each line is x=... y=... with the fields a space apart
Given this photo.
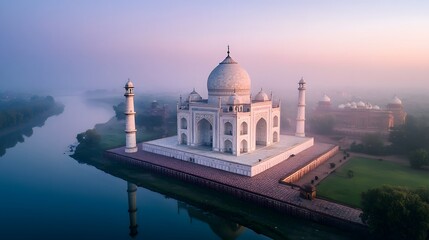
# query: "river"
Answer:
x=45 y=194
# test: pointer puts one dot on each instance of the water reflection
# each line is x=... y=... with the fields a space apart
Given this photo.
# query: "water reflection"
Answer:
x=223 y=228
x=132 y=208
x=10 y=137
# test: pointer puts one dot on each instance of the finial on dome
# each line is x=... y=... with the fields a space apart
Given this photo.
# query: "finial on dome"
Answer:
x=228 y=51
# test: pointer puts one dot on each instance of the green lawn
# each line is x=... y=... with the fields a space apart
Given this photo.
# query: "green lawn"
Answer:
x=112 y=134
x=368 y=173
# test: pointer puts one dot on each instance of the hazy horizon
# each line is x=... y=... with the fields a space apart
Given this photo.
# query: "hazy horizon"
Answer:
x=167 y=46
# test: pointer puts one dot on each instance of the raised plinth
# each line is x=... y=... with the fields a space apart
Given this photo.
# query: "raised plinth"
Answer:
x=249 y=164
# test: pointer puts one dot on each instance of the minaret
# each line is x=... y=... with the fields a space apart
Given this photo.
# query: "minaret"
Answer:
x=300 y=118
x=130 y=124
x=132 y=208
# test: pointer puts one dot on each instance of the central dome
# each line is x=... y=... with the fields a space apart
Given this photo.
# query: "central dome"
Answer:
x=228 y=77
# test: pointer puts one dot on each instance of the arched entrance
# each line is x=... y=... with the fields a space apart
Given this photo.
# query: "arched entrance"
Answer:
x=275 y=137
x=183 y=139
x=228 y=146
x=204 y=133
x=243 y=128
x=243 y=146
x=275 y=121
x=183 y=123
x=261 y=132
x=228 y=128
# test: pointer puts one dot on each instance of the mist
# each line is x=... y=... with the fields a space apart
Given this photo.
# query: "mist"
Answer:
x=358 y=48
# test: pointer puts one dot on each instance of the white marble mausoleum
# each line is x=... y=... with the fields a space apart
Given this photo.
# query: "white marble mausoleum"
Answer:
x=231 y=130
x=229 y=121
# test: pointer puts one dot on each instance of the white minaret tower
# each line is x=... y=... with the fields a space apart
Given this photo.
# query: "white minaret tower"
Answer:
x=300 y=118
x=132 y=208
x=130 y=123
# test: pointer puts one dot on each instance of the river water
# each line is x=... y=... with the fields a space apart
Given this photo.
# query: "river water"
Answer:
x=45 y=194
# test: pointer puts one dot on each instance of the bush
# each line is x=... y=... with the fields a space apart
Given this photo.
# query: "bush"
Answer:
x=419 y=158
x=396 y=213
x=332 y=165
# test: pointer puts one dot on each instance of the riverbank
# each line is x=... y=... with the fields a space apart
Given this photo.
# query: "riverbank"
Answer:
x=263 y=190
x=36 y=121
x=10 y=136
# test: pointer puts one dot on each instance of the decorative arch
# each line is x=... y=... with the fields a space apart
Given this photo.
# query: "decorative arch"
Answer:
x=228 y=128
x=243 y=128
x=183 y=139
x=183 y=123
x=261 y=132
x=204 y=133
x=227 y=146
x=243 y=146
x=275 y=137
x=275 y=121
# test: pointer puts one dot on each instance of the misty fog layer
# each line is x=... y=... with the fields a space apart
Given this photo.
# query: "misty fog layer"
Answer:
x=59 y=46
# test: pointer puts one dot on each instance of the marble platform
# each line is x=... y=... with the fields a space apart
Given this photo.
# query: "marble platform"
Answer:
x=249 y=164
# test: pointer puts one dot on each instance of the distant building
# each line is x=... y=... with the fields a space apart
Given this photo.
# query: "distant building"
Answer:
x=360 y=118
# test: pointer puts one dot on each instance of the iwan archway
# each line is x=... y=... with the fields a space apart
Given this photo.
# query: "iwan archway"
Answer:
x=261 y=133
x=204 y=133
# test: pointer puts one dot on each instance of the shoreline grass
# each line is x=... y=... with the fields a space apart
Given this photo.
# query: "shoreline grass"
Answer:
x=367 y=174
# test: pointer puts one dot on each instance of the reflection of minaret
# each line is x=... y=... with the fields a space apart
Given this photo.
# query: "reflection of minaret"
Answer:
x=130 y=124
x=300 y=118
x=132 y=208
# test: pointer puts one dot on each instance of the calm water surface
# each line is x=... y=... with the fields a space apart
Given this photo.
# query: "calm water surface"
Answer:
x=45 y=194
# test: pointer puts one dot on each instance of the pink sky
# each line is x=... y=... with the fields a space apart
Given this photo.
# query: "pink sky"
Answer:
x=99 y=44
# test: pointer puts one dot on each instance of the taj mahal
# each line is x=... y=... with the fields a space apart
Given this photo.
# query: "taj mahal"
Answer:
x=229 y=121
x=231 y=130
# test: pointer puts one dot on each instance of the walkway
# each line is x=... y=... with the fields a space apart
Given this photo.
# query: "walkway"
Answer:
x=265 y=183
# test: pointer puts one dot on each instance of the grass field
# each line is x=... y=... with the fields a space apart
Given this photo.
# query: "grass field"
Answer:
x=368 y=173
x=112 y=134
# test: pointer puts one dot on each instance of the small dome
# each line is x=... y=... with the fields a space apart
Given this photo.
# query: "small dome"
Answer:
x=369 y=106
x=341 y=106
x=194 y=96
x=233 y=99
x=325 y=98
x=129 y=84
x=301 y=81
x=360 y=104
x=396 y=100
x=261 y=96
x=376 y=107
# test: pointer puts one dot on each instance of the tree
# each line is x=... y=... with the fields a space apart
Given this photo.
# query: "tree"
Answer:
x=323 y=124
x=412 y=135
x=419 y=158
x=396 y=213
x=90 y=138
x=373 y=144
x=119 y=111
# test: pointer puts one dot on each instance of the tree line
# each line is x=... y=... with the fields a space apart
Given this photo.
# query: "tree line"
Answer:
x=410 y=139
x=17 y=111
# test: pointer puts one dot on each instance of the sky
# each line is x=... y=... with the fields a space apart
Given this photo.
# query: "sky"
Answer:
x=172 y=46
